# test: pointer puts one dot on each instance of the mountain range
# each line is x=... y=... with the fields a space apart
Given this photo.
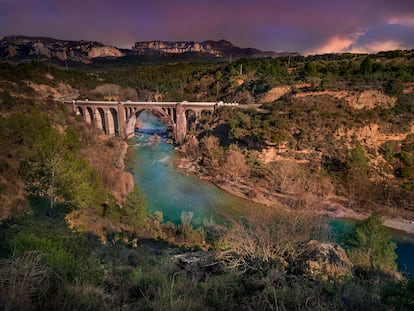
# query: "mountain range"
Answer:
x=25 y=48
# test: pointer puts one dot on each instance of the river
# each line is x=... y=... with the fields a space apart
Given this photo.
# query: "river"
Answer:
x=173 y=192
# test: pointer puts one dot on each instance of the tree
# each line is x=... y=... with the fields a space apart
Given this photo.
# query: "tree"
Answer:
x=47 y=167
x=358 y=186
x=134 y=210
x=80 y=185
x=371 y=247
x=358 y=160
x=366 y=66
x=235 y=164
x=128 y=94
x=309 y=70
x=55 y=171
x=211 y=151
x=6 y=100
x=394 y=87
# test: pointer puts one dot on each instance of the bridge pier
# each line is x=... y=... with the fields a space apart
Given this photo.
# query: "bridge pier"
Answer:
x=122 y=120
x=110 y=130
x=181 y=124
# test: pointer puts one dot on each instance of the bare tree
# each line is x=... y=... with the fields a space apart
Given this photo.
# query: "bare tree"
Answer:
x=191 y=147
x=128 y=94
x=112 y=91
x=235 y=164
x=263 y=236
x=43 y=176
x=211 y=150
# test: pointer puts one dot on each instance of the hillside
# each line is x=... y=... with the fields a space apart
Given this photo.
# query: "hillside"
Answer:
x=333 y=129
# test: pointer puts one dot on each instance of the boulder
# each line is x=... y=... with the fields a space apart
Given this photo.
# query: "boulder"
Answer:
x=199 y=264
x=325 y=260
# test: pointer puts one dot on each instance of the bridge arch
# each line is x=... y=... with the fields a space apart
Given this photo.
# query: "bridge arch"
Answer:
x=159 y=112
x=100 y=119
x=89 y=119
x=79 y=111
x=112 y=118
x=191 y=119
x=128 y=112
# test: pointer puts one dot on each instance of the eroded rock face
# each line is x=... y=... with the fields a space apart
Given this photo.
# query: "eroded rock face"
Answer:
x=276 y=93
x=123 y=184
x=22 y=47
x=11 y=51
x=104 y=51
x=40 y=48
x=369 y=99
x=222 y=48
x=45 y=91
x=370 y=135
x=323 y=260
x=175 y=47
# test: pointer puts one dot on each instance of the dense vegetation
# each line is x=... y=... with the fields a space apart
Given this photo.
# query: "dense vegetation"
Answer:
x=66 y=243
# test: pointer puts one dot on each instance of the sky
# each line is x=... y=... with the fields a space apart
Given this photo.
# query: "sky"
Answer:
x=304 y=26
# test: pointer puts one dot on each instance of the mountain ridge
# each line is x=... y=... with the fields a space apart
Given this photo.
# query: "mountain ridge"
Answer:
x=20 y=48
x=221 y=48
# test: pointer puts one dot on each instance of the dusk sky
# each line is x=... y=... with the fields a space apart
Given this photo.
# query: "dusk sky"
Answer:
x=305 y=26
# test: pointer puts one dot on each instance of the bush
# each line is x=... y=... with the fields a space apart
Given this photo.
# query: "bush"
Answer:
x=370 y=246
x=134 y=210
x=26 y=282
x=57 y=258
x=7 y=101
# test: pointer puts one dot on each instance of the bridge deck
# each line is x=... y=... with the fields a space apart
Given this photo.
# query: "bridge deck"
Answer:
x=137 y=103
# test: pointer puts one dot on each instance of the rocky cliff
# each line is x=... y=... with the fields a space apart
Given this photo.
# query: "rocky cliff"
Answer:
x=23 y=48
x=18 y=48
x=220 y=48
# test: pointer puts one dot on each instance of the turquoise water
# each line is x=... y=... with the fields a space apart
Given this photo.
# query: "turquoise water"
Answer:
x=173 y=192
x=170 y=190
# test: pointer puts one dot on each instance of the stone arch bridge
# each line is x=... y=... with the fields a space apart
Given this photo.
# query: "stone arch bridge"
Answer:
x=119 y=118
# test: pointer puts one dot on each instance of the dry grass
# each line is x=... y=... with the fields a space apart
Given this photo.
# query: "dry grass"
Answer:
x=24 y=282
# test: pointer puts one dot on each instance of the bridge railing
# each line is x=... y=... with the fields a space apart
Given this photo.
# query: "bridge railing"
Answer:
x=129 y=102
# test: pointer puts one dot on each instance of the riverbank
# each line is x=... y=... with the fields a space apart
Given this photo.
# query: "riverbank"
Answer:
x=331 y=207
x=108 y=156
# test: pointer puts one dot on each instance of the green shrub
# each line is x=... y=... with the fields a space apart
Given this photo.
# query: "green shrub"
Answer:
x=370 y=246
x=57 y=257
x=134 y=210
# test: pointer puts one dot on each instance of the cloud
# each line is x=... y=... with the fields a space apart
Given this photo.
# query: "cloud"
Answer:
x=297 y=25
x=384 y=37
x=334 y=45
